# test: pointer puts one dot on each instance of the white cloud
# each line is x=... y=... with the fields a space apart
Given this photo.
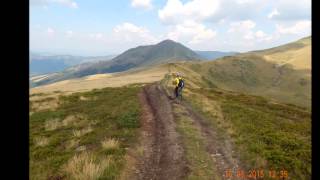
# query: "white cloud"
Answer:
x=299 y=28
x=129 y=27
x=96 y=36
x=69 y=34
x=285 y=10
x=262 y=36
x=249 y=35
x=145 y=4
x=175 y=11
x=243 y=31
x=45 y=3
x=241 y=26
x=244 y=1
x=273 y=14
x=191 y=32
x=50 y=31
x=132 y=33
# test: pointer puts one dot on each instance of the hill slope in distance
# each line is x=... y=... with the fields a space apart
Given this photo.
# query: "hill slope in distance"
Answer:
x=165 y=51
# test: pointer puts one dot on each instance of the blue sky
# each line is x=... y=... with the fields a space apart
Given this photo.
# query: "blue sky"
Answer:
x=100 y=27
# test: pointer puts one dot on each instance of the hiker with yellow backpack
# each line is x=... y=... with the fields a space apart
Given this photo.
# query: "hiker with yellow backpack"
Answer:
x=178 y=82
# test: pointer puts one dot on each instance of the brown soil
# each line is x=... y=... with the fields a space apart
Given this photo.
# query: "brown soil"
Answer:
x=220 y=150
x=162 y=153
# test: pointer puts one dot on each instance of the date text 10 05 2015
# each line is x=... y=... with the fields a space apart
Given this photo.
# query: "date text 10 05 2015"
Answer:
x=256 y=174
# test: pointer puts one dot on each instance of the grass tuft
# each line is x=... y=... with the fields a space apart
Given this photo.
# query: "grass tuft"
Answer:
x=52 y=124
x=77 y=126
x=110 y=144
x=79 y=133
x=85 y=167
x=41 y=141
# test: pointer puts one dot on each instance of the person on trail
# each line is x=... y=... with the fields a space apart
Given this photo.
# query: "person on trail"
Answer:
x=179 y=84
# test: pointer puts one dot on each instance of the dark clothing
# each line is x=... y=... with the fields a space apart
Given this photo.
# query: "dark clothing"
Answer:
x=176 y=90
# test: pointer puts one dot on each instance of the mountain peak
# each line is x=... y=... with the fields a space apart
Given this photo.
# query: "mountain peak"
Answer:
x=167 y=41
x=163 y=52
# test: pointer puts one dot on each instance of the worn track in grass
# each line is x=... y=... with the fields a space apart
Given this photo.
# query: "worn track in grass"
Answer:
x=162 y=153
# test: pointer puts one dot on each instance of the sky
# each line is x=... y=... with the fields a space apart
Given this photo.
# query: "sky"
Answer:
x=104 y=27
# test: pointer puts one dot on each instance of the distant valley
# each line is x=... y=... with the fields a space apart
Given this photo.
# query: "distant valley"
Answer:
x=41 y=63
x=141 y=56
x=283 y=72
x=212 y=55
x=244 y=110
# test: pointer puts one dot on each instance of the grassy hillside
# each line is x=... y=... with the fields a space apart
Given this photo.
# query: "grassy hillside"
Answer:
x=297 y=54
x=260 y=107
x=83 y=135
x=44 y=64
x=282 y=73
x=266 y=135
x=140 y=56
x=145 y=75
x=253 y=73
x=212 y=55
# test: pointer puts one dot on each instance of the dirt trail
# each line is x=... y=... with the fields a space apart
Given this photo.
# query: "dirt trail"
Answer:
x=220 y=151
x=163 y=154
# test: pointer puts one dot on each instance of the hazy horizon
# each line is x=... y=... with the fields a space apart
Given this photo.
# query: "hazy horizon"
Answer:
x=94 y=28
x=64 y=52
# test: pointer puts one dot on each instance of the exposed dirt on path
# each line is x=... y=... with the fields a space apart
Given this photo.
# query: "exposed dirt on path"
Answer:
x=163 y=154
x=220 y=150
x=161 y=151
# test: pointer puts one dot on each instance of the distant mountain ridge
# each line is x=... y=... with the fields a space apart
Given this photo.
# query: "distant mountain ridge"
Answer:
x=212 y=55
x=45 y=63
x=165 y=51
x=282 y=73
x=296 y=54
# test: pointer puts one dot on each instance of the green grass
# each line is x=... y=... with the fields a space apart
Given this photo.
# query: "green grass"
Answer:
x=44 y=99
x=37 y=94
x=266 y=134
x=200 y=162
x=252 y=74
x=106 y=113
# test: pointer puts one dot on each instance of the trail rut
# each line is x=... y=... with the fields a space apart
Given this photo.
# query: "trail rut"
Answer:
x=163 y=154
x=220 y=151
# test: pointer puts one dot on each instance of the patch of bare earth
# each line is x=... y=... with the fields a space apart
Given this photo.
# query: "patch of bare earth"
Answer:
x=160 y=155
x=221 y=150
x=45 y=105
x=146 y=75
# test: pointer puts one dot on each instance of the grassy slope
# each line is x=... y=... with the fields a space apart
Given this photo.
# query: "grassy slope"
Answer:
x=106 y=80
x=297 y=54
x=254 y=74
x=140 y=56
x=200 y=162
x=251 y=74
x=266 y=135
x=81 y=123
